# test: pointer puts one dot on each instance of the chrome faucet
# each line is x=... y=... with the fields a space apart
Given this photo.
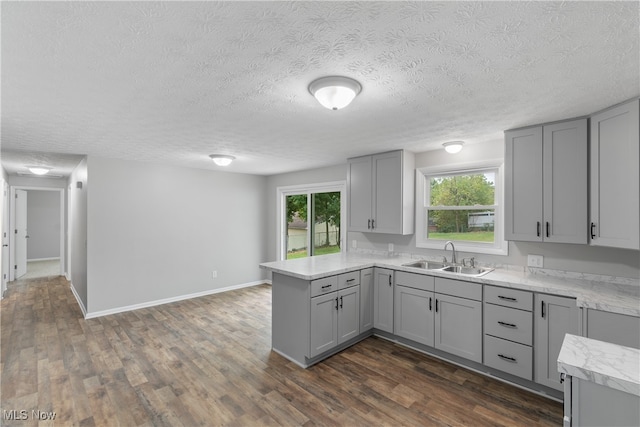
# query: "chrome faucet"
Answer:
x=454 y=261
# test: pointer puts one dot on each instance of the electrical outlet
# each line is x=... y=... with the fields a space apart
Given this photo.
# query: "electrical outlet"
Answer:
x=535 y=261
x=390 y=247
x=214 y=274
x=354 y=244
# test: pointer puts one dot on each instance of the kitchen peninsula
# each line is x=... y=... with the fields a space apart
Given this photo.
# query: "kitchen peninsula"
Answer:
x=324 y=304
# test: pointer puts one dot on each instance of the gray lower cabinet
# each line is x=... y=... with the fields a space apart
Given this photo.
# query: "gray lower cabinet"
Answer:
x=614 y=328
x=449 y=320
x=335 y=318
x=554 y=316
x=366 y=299
x=383 y=299
x=414 y=314
x=508 y=331
x=590 y=404
x=458 y=318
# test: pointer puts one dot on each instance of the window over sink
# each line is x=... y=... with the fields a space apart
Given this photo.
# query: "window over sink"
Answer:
x=462 y=204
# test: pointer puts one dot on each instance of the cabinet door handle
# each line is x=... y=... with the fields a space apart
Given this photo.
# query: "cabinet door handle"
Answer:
x=373 y=224
x=547 y=228
x=336 y=303
x=436 y=305
x=368 y=224
x=389 y=280
x=507 y=325
x=593 y=235
x=507 y=358
x=340 y=302
x=507 y=298
x=430 y=302
x=538 y=228
x=542 y=306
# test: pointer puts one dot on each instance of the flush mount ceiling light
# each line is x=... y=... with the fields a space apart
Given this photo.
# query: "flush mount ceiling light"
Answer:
x=453 y=146
x=221 y=159
x=334 y=92
x=39 y=170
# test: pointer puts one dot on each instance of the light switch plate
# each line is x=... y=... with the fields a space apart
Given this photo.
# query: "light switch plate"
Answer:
x=536 y=261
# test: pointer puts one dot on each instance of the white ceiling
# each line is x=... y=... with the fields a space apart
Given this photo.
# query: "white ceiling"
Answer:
x=172 y=82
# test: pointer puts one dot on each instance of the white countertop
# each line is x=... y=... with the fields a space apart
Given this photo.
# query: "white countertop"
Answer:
x=596 y=292
x=601 y=362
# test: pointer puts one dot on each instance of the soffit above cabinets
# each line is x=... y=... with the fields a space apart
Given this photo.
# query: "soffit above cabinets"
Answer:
x=172 y=82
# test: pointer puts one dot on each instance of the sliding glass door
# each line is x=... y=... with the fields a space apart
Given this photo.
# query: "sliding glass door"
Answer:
x=311 y=222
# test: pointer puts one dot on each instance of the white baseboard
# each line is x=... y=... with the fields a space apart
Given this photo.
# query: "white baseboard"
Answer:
x=80 y=303
x=44 y=259
x=172 y=299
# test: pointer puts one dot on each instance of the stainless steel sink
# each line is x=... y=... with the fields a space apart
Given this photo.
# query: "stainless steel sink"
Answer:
x=468 y=271
x=426 y=265
x=456 y=269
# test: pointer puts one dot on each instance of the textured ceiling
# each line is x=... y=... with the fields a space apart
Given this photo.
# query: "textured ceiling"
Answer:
x=172 y=82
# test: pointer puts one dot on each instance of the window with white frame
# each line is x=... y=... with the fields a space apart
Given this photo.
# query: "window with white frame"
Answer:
x=463 y=205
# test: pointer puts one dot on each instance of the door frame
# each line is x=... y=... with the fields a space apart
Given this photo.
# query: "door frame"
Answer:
x=324 y=187
x=12 y=226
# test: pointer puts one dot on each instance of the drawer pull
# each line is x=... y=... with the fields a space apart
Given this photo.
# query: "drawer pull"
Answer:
x=351 y=280
x=507 y=325
x=507 y=298
x=327 y=286
x=507 y=358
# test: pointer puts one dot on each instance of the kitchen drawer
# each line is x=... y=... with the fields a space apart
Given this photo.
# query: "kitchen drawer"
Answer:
x=513 y=358
x=324 y=286
x=413 y=280
x=508 y=297
x=508 y=323
x=459 y=288
x=347 y=280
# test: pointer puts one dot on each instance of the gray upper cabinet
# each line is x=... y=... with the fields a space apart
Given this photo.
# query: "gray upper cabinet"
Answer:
x=554 y=317
x=546 y=183
x=615 y=177
x=380 y=193
x=523 y=184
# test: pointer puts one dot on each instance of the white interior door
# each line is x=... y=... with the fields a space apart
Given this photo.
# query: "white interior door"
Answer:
x=21 y=233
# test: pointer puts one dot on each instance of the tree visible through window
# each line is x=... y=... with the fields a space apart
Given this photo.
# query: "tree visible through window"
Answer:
x=462 y=207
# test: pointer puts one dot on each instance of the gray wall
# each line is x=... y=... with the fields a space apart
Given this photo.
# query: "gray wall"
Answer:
x=579 y=258
x=158 y=232
x=77 y=233
x=43 y=224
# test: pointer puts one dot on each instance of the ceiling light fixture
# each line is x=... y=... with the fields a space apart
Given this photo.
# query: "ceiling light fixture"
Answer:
x=453 y=146
x=39 y=170
x=221 y=159
x=334 y=92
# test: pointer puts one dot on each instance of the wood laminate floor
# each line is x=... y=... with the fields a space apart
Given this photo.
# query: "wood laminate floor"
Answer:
x=207 y=361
